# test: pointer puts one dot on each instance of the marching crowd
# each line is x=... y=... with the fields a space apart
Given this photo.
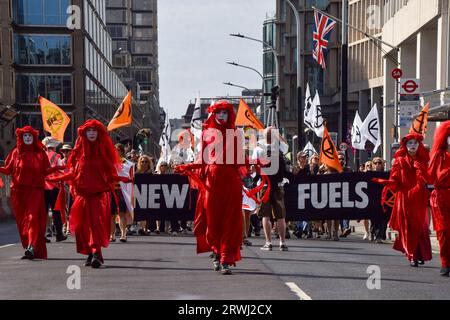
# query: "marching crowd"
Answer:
x=76 y=186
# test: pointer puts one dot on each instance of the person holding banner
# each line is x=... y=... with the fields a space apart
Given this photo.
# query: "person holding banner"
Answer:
x=93 y=166
x=439 y=172
x=28 y=165
x=218 y=216
x=409 y=216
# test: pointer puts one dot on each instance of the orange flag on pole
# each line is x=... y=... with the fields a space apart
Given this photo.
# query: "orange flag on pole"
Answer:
x=419 y=125
x=328 y=152
x=123 y=115
x=55 y=120
x=246 y=118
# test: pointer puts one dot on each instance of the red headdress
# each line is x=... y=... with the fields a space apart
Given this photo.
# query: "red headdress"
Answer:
x=37 y=144
x=221 y=105
x=440 y=138
x=102 y=147
x=422 y=153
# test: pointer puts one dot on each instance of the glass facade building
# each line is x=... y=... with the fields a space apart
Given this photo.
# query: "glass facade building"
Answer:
x=72 y=68
x=132 y=25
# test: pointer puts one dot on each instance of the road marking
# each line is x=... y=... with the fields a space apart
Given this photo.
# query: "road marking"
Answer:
x=298 y=292
x=5 y=246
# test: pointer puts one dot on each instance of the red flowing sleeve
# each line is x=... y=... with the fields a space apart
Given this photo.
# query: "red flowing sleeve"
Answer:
x=9 y=163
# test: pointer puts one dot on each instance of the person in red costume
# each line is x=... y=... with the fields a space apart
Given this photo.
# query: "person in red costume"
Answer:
x=28 y=165
x=439 y=172
x=218 y=216
x=93 y=166
x=409 y=216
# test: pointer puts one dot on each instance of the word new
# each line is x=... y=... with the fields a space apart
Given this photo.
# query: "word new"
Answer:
x=149 y=196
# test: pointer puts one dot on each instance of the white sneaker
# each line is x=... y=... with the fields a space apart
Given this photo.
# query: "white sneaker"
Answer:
x=366 y=236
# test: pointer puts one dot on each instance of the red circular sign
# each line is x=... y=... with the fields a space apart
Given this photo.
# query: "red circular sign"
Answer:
x=410 y=86
x=397 y=73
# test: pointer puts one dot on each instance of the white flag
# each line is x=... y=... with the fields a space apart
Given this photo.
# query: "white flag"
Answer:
x=196 y=124
x=371 y=128
x=164 y=141
x=358 y=140
x=309 y=149
x=308 y=102
x=127 y=188
x=315 y=116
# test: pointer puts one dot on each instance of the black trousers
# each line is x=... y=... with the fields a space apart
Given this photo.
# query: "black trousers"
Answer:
x=50 y=200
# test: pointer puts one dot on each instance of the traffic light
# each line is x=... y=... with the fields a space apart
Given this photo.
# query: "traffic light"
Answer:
x=275 y=92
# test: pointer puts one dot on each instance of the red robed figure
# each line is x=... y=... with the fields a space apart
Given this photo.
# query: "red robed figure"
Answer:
x=218 y=216
x=439 y=172
x=29 y=165
x=409 y=215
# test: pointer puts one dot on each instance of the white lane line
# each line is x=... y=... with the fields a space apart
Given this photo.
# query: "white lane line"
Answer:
x=298 y=292
x=5 y=246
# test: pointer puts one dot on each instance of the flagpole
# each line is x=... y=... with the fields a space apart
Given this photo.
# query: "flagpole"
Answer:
x=344 y=71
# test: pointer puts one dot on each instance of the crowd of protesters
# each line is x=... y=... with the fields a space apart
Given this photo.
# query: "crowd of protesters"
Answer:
x=268 y=215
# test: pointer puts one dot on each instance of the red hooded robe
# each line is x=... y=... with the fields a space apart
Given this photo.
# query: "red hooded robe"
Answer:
x=218 y=217
x=28 y=165
x=439 y=172
x=409 y=215
x=93 y=168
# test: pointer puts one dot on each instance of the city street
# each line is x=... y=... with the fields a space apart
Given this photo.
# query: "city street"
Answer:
x=167 y=268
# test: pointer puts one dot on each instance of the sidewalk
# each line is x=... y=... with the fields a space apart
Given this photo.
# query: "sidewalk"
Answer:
x=358 y=231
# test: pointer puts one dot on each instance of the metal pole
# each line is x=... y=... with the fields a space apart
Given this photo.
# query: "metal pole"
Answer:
x=263 y=99
x=277 y=76
x=396 y=111
x=344 y=71
x=299 y=76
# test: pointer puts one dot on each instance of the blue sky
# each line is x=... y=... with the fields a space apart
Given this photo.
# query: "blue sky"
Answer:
x=194 y=44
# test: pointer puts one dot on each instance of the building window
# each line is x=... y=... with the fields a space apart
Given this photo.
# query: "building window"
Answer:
x=269 y=63
x=142 y=19
x=117 y=31
x=57 y=88
x=141 y=47
x=40 y=12
x=142 y=61
x=142 y=32
x=142 y=5
x=48 y=49
x=116 y=3
x=116 y=16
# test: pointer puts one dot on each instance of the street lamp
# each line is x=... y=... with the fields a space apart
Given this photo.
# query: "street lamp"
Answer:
x=263 y=99
x=235 y=85
x=272 y=115
x=299 y=72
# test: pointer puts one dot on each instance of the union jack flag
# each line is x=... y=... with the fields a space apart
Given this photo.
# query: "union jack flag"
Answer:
x=321 y=36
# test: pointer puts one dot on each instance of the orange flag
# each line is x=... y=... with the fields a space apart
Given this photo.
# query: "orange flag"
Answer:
x=246 y=118
x=328 y=152
x=55 y=120
x=420 y=123
x=123 y=114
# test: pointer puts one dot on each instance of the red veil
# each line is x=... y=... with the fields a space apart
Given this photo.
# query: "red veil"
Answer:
x=102 y=147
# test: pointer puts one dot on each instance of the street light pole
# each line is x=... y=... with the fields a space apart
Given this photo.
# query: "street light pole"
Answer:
x=274 y=116
x=235 y=85
x=299 y=75
x=263 y=99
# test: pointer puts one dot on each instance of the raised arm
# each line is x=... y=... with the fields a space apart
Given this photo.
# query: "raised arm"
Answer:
x=9 y=163
x=65 y=177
